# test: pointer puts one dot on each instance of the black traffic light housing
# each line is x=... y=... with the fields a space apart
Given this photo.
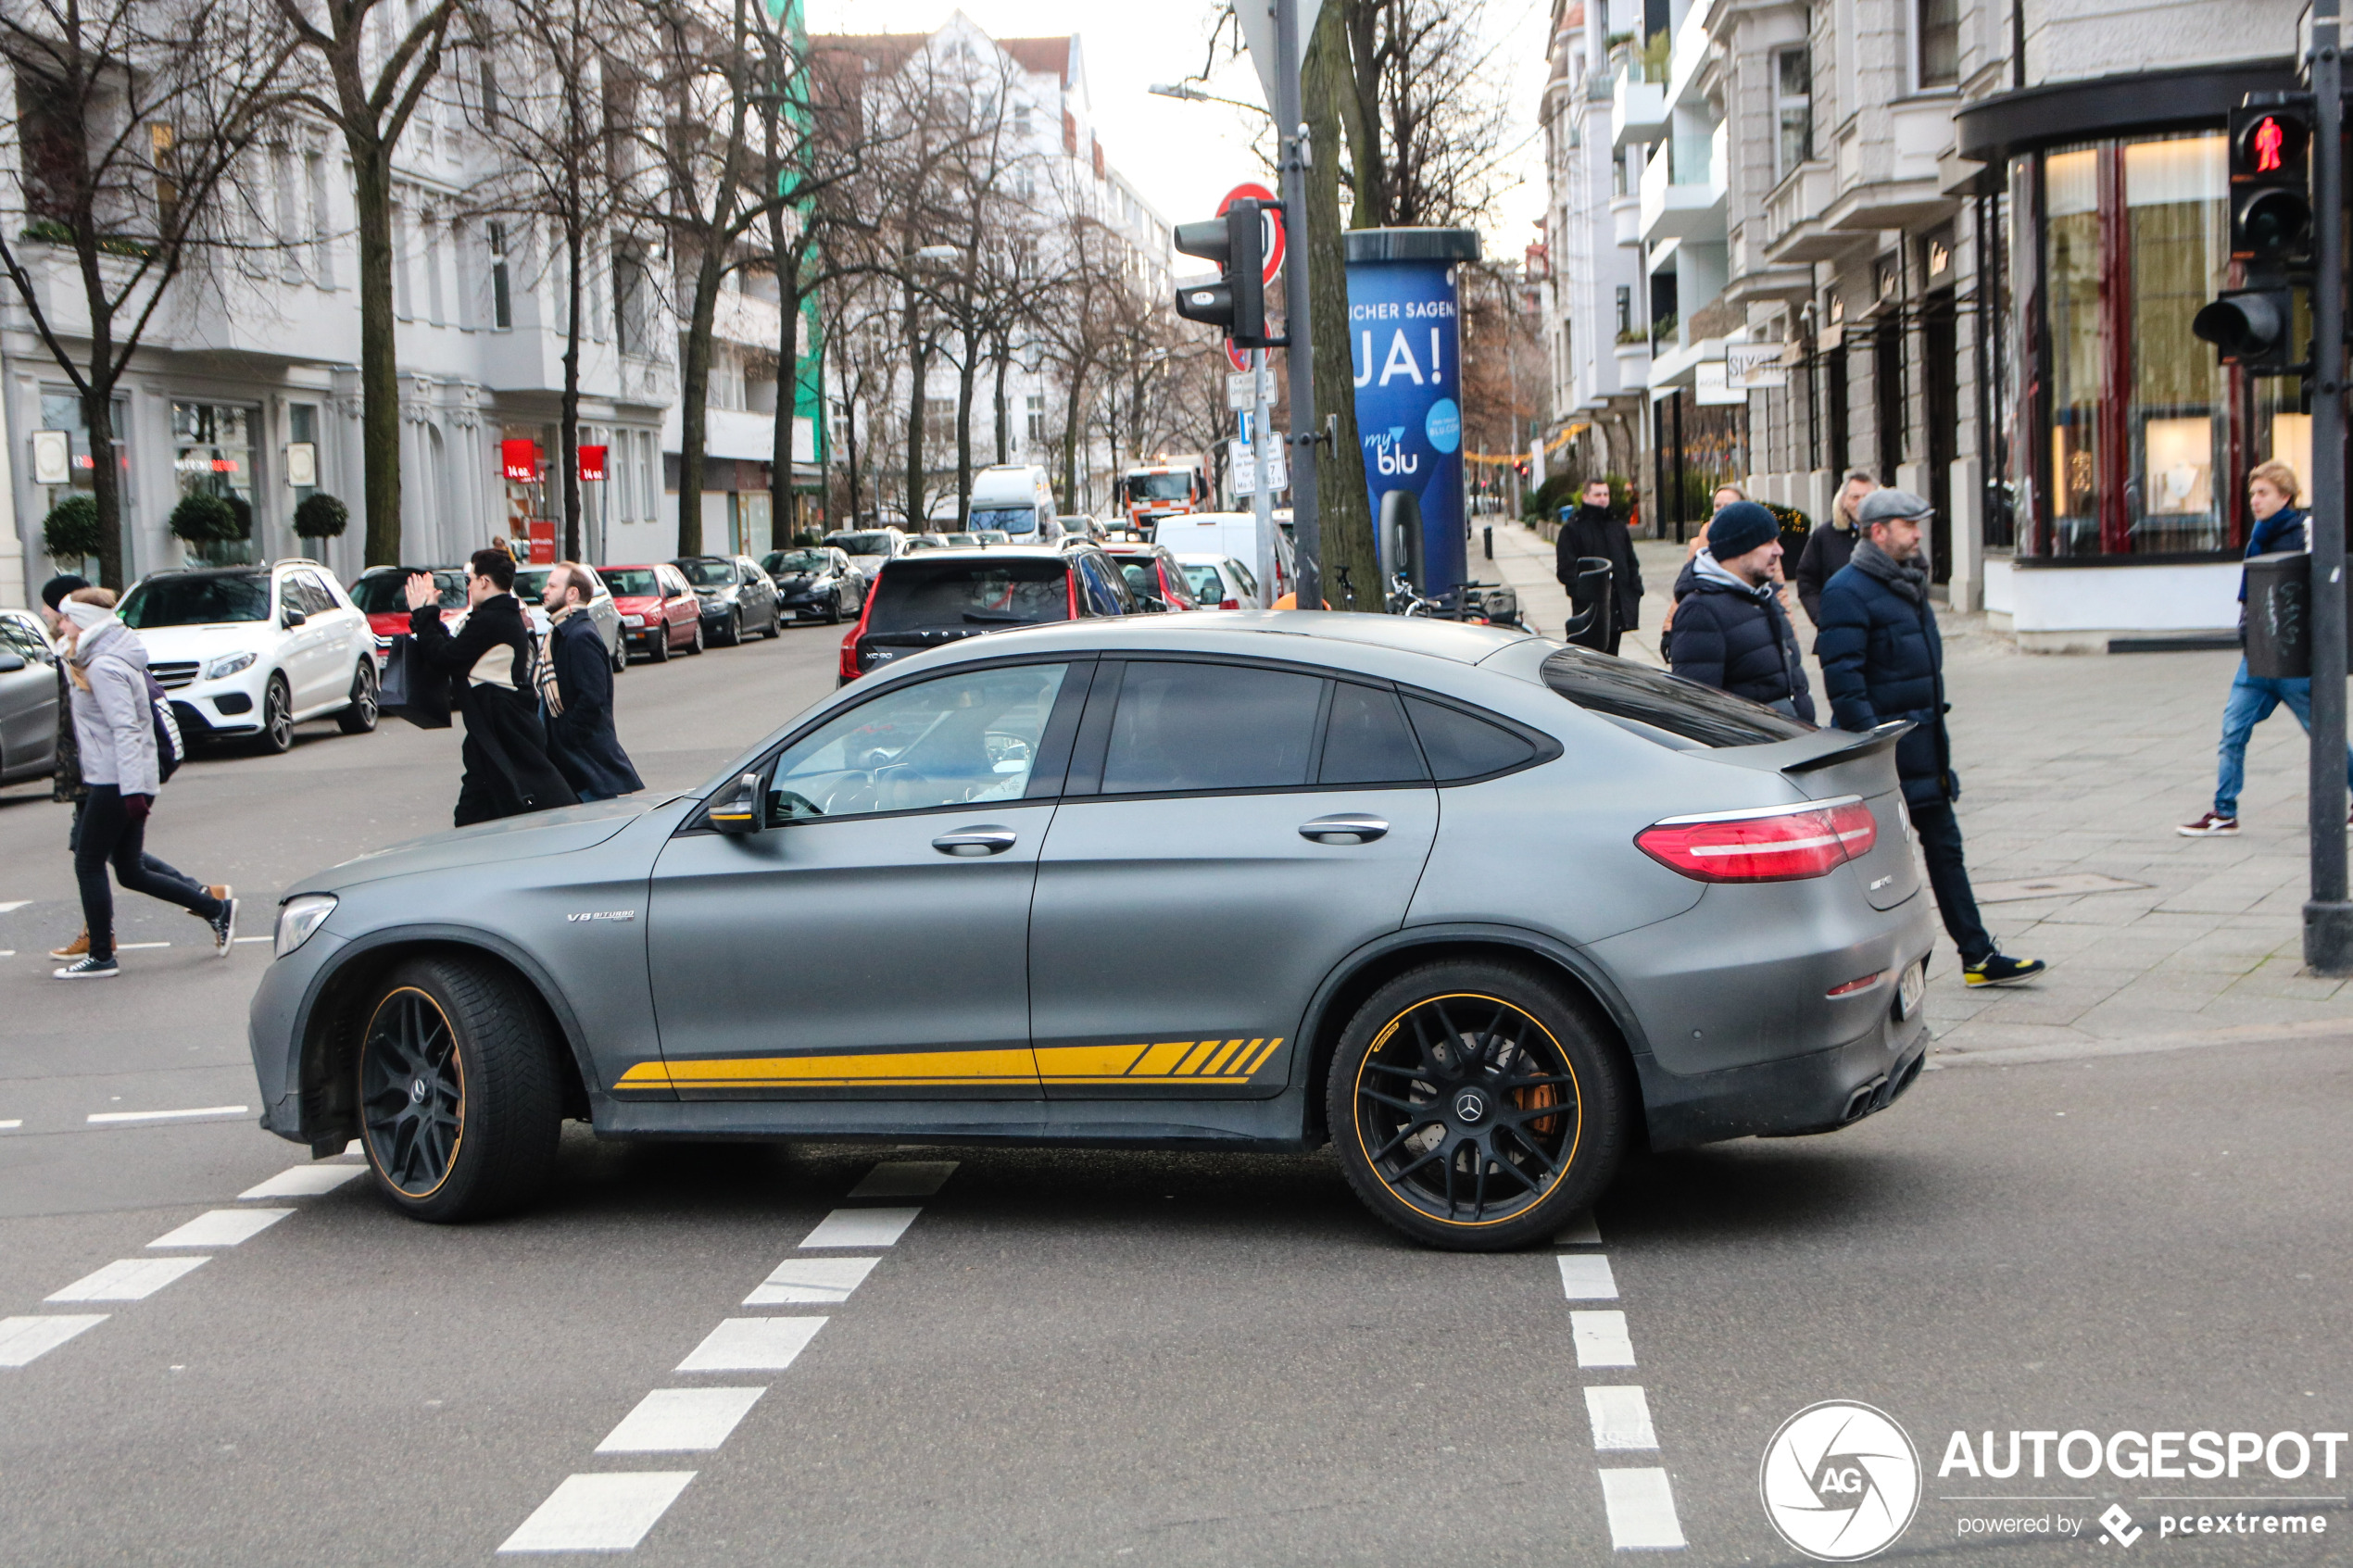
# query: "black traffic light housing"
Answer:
x=2252 y=328
x=1236 y=301
x=2270 y=203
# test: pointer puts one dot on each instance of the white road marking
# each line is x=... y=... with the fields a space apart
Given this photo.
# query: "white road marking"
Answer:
x=752 y=1345
x=302 y=1181
x=29 y=1339
x=905 y=1178
x=221 y=1228
x=861 y=1227
x=1585 y=1276
x=1582 y=1231
x=1642 y=1511
x=11 y=1124
x=7 y=952
x=1621 y=1418
x=827 y=1281
x=13 y=904
x=127 y=1279
x=600 y=1512
x=1600 y=1339
x=103 y=1118
x=243 y=939
x=679 y=1421
x=138 y=947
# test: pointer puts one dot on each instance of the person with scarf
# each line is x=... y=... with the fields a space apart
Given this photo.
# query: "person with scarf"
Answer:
x=488 y=663
x=1882 y=660
x=1828 y=549
x=114 y=734
x=1592 y=530
x=575 y=692
x=1731 y=632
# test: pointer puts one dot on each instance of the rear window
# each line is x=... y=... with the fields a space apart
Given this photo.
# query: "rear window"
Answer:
x=916 y=595
x=1624 y=690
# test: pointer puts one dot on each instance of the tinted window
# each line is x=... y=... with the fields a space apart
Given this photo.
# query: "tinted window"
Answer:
x=1366 y=741
x=915 y=594
x=1103 y=598
x=1210 y=726
x=709 y=573
x=795 y=561
x=957 y=741
x=1627 y=690
x=310 y=595
x=386 y=593
x=17 y=637
x=874 y=544
x=1460 y=746
x=197 y=601
x=631 y=581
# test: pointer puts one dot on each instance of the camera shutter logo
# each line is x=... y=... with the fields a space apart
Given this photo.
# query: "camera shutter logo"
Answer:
x=1841 y=1481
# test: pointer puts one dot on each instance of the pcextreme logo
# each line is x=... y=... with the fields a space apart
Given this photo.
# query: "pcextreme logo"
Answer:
x=1841 y=1481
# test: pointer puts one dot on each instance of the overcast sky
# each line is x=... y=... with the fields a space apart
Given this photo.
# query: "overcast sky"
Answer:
x=1183 y=157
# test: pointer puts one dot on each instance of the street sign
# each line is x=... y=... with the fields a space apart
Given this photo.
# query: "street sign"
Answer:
x=1257 y=21
x=1753 y=367
x=1237 y=357
x=302 y=464
x=1244 y=389
x=1241 y=464
x=1270 y=223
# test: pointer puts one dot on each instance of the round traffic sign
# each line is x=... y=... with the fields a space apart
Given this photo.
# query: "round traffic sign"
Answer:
x=1270 y=222
x=1237 y=357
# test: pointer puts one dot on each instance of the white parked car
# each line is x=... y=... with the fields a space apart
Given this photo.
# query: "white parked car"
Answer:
x=1193 y=534
x=251 y=651
x=1221 y=583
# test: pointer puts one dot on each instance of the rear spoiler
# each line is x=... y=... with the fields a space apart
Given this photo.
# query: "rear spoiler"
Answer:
x=1813 y=753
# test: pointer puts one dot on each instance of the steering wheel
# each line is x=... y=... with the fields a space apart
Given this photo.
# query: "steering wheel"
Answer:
x=853 y=795
x=793 y=805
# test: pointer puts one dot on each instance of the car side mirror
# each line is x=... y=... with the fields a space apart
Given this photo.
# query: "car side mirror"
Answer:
x=737 y=811
x=292 y=618
x=11 y=663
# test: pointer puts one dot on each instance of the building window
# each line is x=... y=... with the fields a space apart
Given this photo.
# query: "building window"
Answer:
x=212 y=454
x=631 y=334
x=1625 y=310
x=1939 y=36
x=302 y=427
x=1037 y=411
x=502 y=311
x=322 y=250
x=1793 y=110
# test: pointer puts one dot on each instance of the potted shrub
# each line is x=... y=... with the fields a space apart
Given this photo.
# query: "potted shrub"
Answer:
x=321 y=515
x=71 y=530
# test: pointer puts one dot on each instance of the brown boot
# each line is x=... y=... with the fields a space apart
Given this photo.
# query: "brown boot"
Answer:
x=74 y=949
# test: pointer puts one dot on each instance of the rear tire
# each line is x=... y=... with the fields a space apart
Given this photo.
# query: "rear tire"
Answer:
x=735 y=637
x=358 y=717
x=1474 y=1107
x=619 y=655
x=775 y=621
x=460 y=1097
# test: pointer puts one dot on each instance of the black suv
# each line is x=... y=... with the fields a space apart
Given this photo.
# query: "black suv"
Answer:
x=935 y=596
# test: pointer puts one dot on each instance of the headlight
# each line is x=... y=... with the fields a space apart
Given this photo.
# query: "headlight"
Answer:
x=633 y=621
x=228 y=664
x=298 y=917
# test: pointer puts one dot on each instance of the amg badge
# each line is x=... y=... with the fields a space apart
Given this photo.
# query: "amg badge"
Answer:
x=603 y=914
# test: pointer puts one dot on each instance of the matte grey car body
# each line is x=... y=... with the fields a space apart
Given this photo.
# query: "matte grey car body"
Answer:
x=1005 y=801
x=28 y=697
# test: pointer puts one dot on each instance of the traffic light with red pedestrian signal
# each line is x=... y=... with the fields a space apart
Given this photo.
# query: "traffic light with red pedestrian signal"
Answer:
x=2271 y=204
x=1236 y=301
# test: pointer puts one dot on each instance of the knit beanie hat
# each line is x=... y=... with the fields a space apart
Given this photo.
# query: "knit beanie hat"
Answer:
x=1740 y=528
x=54 y=591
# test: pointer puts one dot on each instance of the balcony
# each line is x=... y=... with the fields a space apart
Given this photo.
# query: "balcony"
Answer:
x=1891 y=179
x=1688 y=58
x=1637 y=110
x=1795 y=230
x=1626 y=218
x=1683 y=190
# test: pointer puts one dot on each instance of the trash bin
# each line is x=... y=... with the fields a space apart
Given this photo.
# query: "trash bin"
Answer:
x=2279 y=616
x=1488 y=543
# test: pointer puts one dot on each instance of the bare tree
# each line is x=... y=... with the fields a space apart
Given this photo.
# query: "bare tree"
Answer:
x=133 y=120
x=1425 y=111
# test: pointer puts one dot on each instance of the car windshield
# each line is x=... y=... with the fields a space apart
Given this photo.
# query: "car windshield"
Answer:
x=1174 y=486
x=1008 y=519
x=197 y=601
x=925 y=596
x=1626 y=690
x=874 y=544
x=798 y=560
x=631 y=581
x=715 y=572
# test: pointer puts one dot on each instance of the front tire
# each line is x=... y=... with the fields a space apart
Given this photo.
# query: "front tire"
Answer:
x=658 y=648
x=460 y=1105
x=833 y=610
x=735 y=637
x=697 y=646
x=277 y=718
x=358 y=717
x=1474 y=1107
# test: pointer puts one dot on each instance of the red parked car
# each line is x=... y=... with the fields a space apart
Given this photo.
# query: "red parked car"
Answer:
x=381 y=594
x=659 y=611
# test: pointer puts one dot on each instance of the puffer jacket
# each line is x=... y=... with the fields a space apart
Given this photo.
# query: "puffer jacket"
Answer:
x=1734 y=637
x=114 y=724
x=1883 y=660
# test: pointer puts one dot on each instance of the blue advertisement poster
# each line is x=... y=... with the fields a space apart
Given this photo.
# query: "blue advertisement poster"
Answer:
x=1402 y=332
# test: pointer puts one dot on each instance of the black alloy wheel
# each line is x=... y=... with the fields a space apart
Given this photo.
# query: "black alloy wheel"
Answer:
x=277 y=718
x=833 y=609
x=358 y=717
x=1473 y=1107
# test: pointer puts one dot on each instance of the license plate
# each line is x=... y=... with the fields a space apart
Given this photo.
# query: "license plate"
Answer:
x=1911 y=988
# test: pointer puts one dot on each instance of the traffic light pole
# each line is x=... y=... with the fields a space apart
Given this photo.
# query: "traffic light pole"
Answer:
x=2328 y=918
x=1290 y=130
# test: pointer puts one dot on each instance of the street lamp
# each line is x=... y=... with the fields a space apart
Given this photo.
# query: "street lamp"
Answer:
x=1189 y=94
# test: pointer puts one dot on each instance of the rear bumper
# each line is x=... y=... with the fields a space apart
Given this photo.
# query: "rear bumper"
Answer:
x=1817 y=1093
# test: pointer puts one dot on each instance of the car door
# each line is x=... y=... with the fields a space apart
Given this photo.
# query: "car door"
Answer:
x=349 y=637
x=872 y=939
x=302 y=649
x=28 y=700
x=758 y=593
x=681 y=610
x=1230 y=832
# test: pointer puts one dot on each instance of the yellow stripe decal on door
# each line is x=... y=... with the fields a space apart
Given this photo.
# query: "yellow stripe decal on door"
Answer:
x=1169 y=1062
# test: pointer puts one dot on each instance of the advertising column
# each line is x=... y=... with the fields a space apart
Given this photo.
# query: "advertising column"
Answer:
x=1404 y=330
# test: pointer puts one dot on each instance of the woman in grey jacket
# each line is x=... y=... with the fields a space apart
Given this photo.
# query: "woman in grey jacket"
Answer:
x=115 y=727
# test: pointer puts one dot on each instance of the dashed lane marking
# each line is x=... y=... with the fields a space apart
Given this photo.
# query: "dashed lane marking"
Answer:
x=127 y=1279
x=1600 y=1339
x=139 y=947
x=609 y=1512
x=11 y=1124
x=752 y=1345
x=819 y=1281
x=241 y=940
x=1579 y=1232
x=861 y=1227
x=680 y=1421
x=13 y=904
x=905 y=1178
x=23 y=1340
x=117 y=1118
x=221 y=1228
x=1585 y=1276
x=302 y=1181
x=1621 y=1418
x=1642 y=1511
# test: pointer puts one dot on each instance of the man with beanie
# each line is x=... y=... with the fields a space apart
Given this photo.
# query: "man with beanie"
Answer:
x=1883 y=660
x=1731 y=632
x=1593 y=529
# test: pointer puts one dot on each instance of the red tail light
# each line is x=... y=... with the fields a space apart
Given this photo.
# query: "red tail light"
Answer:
x=1229 y=604
x=850 y=671
x=1784 y=843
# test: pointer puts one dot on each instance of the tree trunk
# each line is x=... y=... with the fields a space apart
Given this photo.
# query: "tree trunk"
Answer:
x=379 y=371
x=849 y=435
x=1004 y=419
x=695 y=399
x=780 y=444
x=1343 y=507
x=966 y=369
x=105 y=480
x=918 y=370
x=1071 y=426
x=568 y=419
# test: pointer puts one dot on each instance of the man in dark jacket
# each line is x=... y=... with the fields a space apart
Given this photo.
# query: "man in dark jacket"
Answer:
x=488 y=664
x=575 y=690
x=1731 y=632
x=1883 y=660
x=1592 y=530
x=1828 y=549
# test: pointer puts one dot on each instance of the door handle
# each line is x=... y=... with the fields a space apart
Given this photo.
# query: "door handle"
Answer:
x=1344 y=827
x=969 y=843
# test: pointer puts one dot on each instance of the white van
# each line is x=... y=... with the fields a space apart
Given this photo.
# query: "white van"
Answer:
x=1228 y=533
x=1018 y=498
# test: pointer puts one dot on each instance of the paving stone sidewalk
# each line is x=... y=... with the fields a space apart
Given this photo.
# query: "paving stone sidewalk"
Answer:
x=2074 y=766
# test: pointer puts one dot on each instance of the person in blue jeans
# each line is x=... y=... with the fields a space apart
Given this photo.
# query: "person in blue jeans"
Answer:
x=2279 y=524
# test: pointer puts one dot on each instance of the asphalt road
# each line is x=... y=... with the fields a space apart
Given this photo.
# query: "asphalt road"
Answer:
x=1076 y=1357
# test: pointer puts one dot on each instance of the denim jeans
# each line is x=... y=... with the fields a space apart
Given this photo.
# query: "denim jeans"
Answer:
x=2252 y=701
x=1940 y=832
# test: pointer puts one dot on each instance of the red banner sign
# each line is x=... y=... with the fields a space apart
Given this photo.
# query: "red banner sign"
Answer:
x=592 y=462
x=542 y=541
x=519 y=460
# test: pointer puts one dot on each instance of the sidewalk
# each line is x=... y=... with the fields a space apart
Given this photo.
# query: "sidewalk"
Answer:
x=2080 y=768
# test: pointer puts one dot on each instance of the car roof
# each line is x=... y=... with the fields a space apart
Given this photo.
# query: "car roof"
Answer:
x=1255 y=632
x=989 y=552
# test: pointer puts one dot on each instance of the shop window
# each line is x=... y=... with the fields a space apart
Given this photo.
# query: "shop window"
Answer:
x=212 y=454
x=2178 y=243
x=2075 y=289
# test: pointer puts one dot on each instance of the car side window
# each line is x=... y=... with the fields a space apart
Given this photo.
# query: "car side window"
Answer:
x=1460 y=746
x=1366 y=740
x=1101 y=598
x=317 y=593
x=1186 y=726
x=959 y=740
x=17 y=637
